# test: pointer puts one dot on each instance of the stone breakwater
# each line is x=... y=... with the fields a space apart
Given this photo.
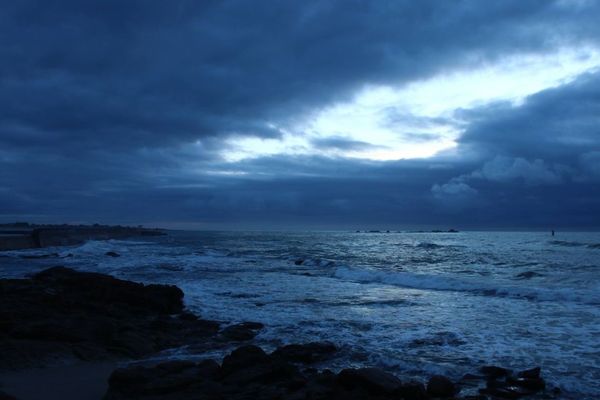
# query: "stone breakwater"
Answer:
x=65 y=235
x=60 y=315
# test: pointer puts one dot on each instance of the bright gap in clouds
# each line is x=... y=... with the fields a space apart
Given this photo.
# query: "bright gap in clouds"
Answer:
x=416 y=120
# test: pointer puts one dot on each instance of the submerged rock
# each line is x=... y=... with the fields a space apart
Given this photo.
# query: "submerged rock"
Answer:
x=528 y=275
x=494 y=372
x=242 y=332
x=39 y=256
x=533 y=373
x=502 y=384
x=112 y=254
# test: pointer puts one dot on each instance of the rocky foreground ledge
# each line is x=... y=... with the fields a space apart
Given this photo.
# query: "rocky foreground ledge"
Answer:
x=61 y=315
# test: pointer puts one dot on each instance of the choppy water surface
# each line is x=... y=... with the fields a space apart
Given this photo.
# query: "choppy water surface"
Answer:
x=414 y=303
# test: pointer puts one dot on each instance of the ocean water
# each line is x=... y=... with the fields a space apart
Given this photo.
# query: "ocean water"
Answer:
x=412 y=303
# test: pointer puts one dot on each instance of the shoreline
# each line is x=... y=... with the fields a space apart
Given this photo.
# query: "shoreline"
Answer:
x=69 y=316
x=30 y=236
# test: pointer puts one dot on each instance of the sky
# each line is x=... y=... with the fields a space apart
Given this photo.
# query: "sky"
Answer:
x=288 y=115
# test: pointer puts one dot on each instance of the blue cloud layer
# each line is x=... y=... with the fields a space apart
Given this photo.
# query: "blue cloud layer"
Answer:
x=120 y=111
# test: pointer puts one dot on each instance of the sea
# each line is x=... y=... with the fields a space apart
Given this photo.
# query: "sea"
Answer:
x=413 y=303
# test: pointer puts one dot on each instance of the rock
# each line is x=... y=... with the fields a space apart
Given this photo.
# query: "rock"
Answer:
x=471 y=377
x=267 y=373
x=412 y=391
x=165 y=378
x=243 y=357
x=5 y=396
x=299 y=261
x=374 y=380
x=208 y=369
x=533 y=373
x=169 y=267
x=305 y=353
x=494 y=372
x=242 y=332
x=534 y=384
x=249 y=373
x=440 y=386
x=527 y=275
x=112 y=254
x=109 y=291
x=250 y=365
x=63 y=314
x=187 y=316
x=502 y=393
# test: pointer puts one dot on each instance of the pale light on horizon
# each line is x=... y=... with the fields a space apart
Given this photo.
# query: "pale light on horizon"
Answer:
x=417 y=120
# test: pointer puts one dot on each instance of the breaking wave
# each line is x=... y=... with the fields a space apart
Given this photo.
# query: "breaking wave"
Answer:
x=446 y=283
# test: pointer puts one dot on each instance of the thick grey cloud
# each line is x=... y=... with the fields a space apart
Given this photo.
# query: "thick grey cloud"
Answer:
x=116 y=110
x=541 y=156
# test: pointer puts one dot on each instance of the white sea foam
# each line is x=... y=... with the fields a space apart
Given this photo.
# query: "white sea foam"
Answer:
x=476 y=286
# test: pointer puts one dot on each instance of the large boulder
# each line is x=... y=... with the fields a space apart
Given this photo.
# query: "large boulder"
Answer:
x=373 y=380
x=412 y=391
x=494 y=372
x=305 y=353
x=440 y=386
x=243 y=357
x=242 y=332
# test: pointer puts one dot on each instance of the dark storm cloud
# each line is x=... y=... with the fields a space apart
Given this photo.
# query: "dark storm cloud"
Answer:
x=539 y=159
x=111 y=109
x=559 y=124
x=155 y=73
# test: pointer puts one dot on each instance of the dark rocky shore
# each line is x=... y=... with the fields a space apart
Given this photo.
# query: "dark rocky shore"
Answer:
x=61 y=316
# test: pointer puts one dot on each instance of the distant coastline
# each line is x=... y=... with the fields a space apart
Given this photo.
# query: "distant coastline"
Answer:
x=23 y=235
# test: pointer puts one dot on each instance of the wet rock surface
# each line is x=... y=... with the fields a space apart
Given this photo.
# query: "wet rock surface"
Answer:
x=440 y=386
x=501 y=383
x=241 y=332
x=248 y=372
x=306 y=353
x=63 y=314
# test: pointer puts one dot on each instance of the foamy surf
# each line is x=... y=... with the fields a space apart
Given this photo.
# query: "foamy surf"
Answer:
x=473 y=286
